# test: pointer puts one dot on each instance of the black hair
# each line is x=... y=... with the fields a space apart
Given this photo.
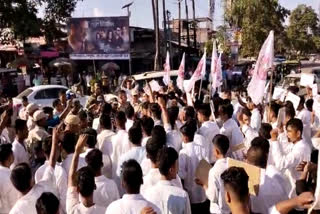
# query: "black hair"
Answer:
x=82 y=115
x=296 y=124
x=62 y=92
x=205 y=110
x=188 y=130
x=129 y=110
x=227 y=109
x=290 y=112
x=24 y=99
x=47 y=110
x=105 y=121
x=135 y=135
x=86 y=183
x=265 y=130
x=262 y=143
x=246 y=112
x=145 y=105
x=55 y=103
x=159 y=135
x=69 y=142
x=222 y=143
x=167 y=157
x=132 y=176
x=173 y=113
x=106 y=109
x=152 y=149
x=92 y=137
x=121 y=118
x=94 y=159
x=257 y=155
x=5 y=152
x=147 y=124
x=21 y=177
x=189 y=113
x=155 y=110
x=122 y=92
x=309 y=104
x=20 y=125
x=236 y=179
x=47 y=203
x=275 y=107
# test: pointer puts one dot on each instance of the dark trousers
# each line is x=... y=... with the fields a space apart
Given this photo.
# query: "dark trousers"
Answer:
x=201 y=208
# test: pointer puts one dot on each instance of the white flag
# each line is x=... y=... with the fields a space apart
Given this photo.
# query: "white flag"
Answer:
x=181 y=73
x=216 y=69
x=166 y=77
x=264 y=63
x=198 y=73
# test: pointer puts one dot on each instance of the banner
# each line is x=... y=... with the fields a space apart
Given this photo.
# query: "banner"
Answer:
x=166 y=77
x=105 y=38
x=264 y=63
x=181 y=73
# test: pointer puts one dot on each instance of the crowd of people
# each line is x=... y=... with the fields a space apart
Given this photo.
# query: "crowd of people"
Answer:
x=139 y=153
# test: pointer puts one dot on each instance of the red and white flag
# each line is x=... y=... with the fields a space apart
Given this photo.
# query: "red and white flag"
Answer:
x=216 y=69
x=166 y=77
x=265 y=60
x=181 y=73
x=198 y=73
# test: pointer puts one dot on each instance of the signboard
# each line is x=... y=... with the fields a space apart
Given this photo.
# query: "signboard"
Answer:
x=104 y=38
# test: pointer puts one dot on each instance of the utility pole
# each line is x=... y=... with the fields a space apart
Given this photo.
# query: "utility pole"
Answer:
x=179 y=32
x=169 y=36
x=194 y=25
x=155 y=8
x=187 y=20
x=165 y=25
x=129 y=15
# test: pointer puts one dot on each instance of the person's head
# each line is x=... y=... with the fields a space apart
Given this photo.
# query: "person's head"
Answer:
x=31 y=108
x=69 y=142
x=62 y=96
x=309 y=104
x=47 y=203
x=188 y=113
x=48 y=111
x=294 y=130
x=94 y=159
x=135 y=135
x=21 y=129
x=159 y=135
x=92 y=137
x=57 y=105
x=129 y=110
x=6 y=155
x=204 y=112
x=105 y=122
x=250 y=104
x=152 y=149
x=131 y=176
x=246 y=116
x=83 y=30
x=173 y=113
x=265 y=131
x=225 y=111
x=235 y=180
x=83 y=120
x=226 y=94
x=188 y=131
x=106 y=109
x=86 y=184
x=121 y=120
x=145 y=98
x=257 y=156
x=25 y=101
x=145 y=109
x=40 y=118
x=273 y=111
x=97 y=89
x=46 y=146
x=122 y=97
x=168 y=162
x=135 y=96
x=220 y=146
x=72 y=123
x=290 y=113
x=147 y=125
x=21 y=178
x=155 y=111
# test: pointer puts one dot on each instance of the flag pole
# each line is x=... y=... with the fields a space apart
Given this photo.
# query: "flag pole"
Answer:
x=205 y=64
x=270 y=90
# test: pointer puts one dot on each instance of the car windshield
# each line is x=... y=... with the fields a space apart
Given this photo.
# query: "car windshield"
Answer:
x=26 y=93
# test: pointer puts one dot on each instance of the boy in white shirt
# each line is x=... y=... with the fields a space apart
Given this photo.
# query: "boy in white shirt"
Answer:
x=167 y=197
x=19 y=146
x=104 y=142
x=81 y=181
x=255 y=122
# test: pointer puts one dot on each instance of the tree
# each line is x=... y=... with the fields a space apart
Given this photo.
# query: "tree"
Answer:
x=256 y=19
x=303 y=27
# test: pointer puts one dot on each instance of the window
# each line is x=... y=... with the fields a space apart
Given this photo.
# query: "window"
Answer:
x=52 y=93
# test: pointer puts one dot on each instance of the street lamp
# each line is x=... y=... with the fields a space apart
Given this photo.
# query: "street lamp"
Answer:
x=129 y=14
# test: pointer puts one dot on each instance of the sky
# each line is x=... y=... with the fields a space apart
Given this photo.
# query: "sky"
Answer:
x=141 y=12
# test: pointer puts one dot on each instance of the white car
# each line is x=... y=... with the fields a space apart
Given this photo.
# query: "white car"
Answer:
x=44 y=95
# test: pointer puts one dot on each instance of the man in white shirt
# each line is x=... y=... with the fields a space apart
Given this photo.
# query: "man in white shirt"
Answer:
x=61 y=177
x=147 y=125
x=106 y=189
x=305 y=116
x=23 y=114
x=38 y=132
x=299 y=151
x=8 y=193
x=167 y=197
x=129 y=110
x=18 y=146
x=232 y=131
x=80 y=193
x=104 y=138
x=68 y=144
x=189 y=157
x=272 y=114
x=132 y=201
x=31 y=108
x=58 y=108
x=255 y=122
x=208 y=129
x=21 y=178
x=215 y=189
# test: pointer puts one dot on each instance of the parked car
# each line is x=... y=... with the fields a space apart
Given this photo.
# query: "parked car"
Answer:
x=44 y=95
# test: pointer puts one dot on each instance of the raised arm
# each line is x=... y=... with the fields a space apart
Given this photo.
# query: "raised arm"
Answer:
x=66 y=110
x=53 y=153
x=304 y=200
x=162 y=104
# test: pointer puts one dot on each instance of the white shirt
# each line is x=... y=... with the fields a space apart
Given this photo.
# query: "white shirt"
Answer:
x=66 y=163
x=23 y=115
x=305 y=117
x=255 y=120
x=201 y=141
x=189 y=158
x=174 y=138
x=30 y=123
x=270 y=180
x=61 y=179
x=137 y=153
x=20 y=154
x=96 y=124
x=168 y=198
x=146 y=165
x=37 y=133
x=273 y=210
x=298 y=152
x=130 y=204
x=145 y=140
x=120 y=145
x=129 y=124
x=153 y=177
x=215 y=191
x=75 y=207
x=27 y=203
x=232 y=131
x=8 y=193
x=249 y=135
x=209 y=130
x=104 y=142
x=106 y=191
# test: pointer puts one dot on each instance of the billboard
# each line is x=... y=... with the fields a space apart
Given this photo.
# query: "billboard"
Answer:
x=99 y=38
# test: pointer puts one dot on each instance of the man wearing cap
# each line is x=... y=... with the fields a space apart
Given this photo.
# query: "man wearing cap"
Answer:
x=23 y=114
x=72 y=123
x=93 y=97
x=39 y=133
x=135 y=102
x=31 y=109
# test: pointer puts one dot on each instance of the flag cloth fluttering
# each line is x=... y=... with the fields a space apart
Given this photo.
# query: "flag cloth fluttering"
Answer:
x=181 y=73
x=166 y=77
x=216 y=69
